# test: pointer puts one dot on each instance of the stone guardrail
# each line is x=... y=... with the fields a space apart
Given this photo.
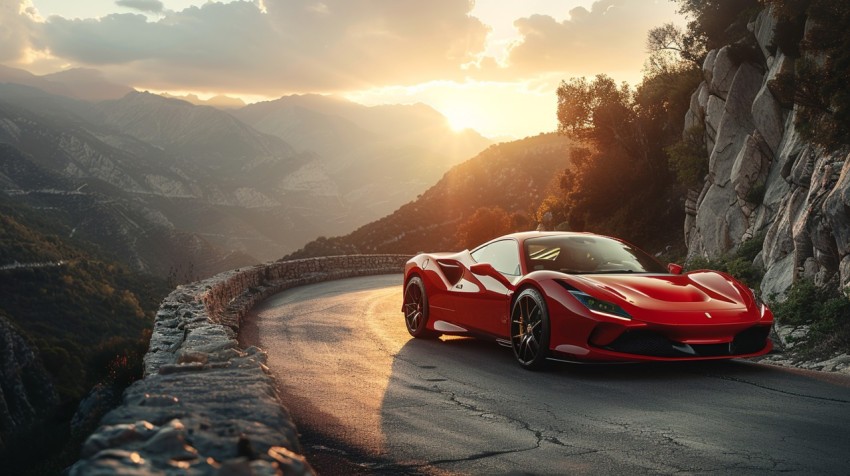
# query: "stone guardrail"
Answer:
x=205 y=406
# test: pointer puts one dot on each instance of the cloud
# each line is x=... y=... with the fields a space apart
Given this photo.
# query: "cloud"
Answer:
x=609 y=37
x=270 y=46
x=17 y=29
x=274 y=47
x=150 y=6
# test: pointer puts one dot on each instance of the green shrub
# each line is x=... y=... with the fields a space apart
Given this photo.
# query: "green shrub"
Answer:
x=688 y=157
x=799 y=304
x=824 y=309
x=739 y=264
x=756 y=194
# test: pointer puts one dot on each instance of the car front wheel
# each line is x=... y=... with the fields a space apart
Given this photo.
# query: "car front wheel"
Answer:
x=530 y=329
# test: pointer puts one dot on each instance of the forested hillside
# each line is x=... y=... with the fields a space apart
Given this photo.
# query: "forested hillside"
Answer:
x=71 y=319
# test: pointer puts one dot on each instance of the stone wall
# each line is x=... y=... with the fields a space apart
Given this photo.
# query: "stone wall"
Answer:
x=763 y=178
x=205 y=405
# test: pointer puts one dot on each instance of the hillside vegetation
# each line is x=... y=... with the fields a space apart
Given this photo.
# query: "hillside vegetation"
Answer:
x=87 y=320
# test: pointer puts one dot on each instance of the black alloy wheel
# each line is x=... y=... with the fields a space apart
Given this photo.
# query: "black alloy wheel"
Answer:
x=530 y=329
x=416 y=309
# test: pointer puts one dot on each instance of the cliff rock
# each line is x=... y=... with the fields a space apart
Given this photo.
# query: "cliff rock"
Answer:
x=763 y=178
x=26 y=393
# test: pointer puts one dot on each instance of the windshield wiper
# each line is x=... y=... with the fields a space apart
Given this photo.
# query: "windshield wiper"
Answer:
x=571 y=271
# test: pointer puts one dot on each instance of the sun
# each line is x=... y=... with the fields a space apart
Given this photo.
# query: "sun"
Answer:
x=460 y=118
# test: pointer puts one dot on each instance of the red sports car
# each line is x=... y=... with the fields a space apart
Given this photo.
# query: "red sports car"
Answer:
x=581 y=296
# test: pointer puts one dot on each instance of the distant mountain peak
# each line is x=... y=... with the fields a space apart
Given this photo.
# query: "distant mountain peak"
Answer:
x=78 y=83
x=77 y=74
x=219 y=101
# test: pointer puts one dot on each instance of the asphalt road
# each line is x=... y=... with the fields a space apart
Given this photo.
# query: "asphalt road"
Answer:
x=368 y=398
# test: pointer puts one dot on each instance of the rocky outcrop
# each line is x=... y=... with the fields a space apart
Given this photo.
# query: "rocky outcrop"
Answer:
x=26 y=391
x=206 y=406
x=763 y=178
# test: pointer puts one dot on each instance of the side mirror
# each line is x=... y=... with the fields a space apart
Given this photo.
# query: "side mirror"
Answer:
x=487 y=269
x=674 y=268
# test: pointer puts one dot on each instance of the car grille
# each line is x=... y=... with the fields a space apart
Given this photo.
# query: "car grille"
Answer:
x=751 y=340
x=643 y=342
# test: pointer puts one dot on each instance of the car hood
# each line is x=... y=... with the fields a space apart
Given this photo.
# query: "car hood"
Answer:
x=695 y=291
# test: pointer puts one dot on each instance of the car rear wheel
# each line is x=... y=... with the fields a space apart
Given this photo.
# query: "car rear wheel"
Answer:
x=530 y=329
x=416 y=309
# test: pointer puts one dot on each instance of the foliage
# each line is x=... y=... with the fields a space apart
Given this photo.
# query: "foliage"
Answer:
x=790 y=26
x=715 y=23
x=756 y=193
x=739 y=263
x=120 y=360
x=623 y=171
x=595 y=111
x=484 y=225
x=668 y=44
x=67 y=310
x=687 y=157
x=823 y=308
x=818 y=85
x=552 y=210
x=75 y=308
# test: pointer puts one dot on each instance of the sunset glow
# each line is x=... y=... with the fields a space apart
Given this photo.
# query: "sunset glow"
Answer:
x=489 y=65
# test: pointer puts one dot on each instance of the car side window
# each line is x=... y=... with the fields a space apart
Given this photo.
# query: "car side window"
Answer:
x=502 y=255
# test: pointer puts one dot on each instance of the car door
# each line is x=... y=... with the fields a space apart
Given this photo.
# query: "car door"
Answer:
x=487 y=307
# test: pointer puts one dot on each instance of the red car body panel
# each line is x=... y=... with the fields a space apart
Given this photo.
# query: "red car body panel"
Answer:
x=693 y=316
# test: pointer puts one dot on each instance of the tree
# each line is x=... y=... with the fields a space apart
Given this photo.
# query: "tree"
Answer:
x=669 y=47
x=483 y=225
x=715 y=23
x=620 y=182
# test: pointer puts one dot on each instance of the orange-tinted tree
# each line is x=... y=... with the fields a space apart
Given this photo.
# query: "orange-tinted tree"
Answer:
x=483 y=225
x=620 y=182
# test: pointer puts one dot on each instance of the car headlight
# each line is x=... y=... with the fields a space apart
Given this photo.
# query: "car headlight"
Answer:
x=601 y=307
x=760 y=305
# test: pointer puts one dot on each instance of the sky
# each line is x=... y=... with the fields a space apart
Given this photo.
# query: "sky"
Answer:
x=491 y=65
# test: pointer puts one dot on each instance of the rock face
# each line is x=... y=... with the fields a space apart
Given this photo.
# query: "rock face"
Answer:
x=763 y=178
x=205 y=405
x=26 y=391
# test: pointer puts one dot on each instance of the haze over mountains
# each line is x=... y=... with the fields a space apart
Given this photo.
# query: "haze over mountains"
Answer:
x=510 y=178
x=162 y=184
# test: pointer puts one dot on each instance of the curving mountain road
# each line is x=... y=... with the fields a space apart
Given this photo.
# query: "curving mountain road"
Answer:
x=370 y=399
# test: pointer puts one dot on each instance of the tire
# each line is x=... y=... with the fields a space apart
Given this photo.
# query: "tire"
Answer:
x=416 y=309
x=530 y=329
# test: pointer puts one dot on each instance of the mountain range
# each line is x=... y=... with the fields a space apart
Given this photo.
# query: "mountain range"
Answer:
x=173 y=187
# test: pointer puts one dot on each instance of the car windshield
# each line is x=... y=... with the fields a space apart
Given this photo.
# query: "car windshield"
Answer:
x=583 y=254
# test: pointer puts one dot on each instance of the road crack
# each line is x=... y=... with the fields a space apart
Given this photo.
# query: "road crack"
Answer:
x=777 y=390
x=540 y=436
